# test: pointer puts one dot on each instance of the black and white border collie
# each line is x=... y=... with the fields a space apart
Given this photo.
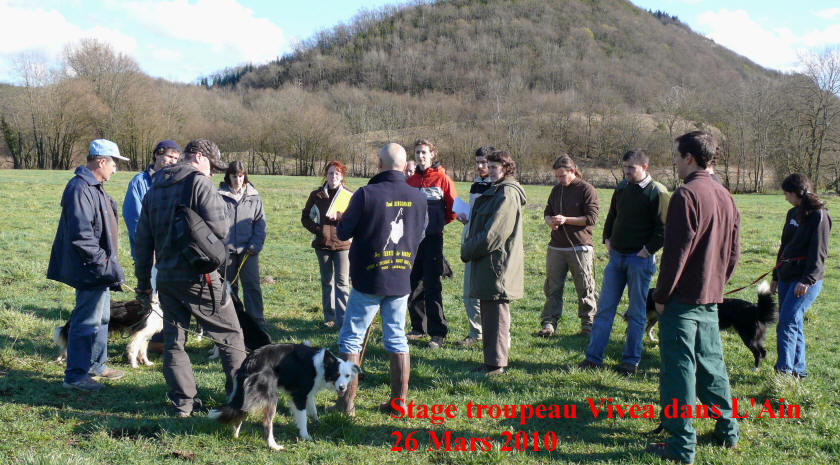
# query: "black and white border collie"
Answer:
x=296 y=369
x=749 y=319
x=126 y=316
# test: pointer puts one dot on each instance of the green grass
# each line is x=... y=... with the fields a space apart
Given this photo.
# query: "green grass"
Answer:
x=129 y=421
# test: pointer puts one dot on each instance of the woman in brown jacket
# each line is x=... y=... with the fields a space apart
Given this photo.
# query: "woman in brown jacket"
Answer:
x=332 y=254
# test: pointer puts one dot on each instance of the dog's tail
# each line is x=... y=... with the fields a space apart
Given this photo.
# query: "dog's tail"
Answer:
x=227 y=414
x=59 y=337
x=233 y=410
x=768 y=311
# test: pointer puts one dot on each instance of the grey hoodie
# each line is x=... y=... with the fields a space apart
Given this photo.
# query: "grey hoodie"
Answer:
x=152 y=238
x=247 y=218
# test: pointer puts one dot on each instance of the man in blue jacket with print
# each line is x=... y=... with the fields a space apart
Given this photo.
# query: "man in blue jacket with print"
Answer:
x=385 y=219
x=84 y=256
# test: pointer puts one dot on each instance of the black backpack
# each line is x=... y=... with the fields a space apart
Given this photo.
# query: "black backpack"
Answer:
x=196 y=242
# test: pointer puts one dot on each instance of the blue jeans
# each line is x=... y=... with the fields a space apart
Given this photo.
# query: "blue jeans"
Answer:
x=790 y=338
x=87 y=339
x=634 y=272
x=361 y=309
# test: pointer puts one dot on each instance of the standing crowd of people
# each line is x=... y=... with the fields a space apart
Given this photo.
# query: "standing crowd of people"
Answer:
x=380 y=250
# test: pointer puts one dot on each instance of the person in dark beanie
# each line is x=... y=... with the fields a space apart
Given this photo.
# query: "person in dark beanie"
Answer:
x=84 y=256
x=385 y=220
x=801 y=267
x=185 y=293
x=701 y=251
x=165 y=153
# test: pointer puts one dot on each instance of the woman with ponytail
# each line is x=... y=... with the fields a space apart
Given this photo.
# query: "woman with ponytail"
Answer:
x=800 y=268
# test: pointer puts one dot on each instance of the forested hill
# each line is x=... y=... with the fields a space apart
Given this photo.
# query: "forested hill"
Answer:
x=477 y=46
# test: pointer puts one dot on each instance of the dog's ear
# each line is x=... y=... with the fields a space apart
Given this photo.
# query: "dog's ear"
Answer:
x=357 y=369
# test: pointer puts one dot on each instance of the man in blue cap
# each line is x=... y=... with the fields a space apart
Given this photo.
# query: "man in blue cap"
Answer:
x=165 y=153
x=84 y=256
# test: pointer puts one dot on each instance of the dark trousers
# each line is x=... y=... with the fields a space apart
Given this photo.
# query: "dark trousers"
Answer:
x=249 y=276
x=495 y=324
x=425 y=304
x=693 y=369
x=180 y=301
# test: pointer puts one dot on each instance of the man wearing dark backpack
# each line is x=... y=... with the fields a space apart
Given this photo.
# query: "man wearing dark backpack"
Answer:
x=185 y=286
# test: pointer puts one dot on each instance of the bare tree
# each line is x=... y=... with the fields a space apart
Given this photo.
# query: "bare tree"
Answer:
x=675 y=105
x=820 y=108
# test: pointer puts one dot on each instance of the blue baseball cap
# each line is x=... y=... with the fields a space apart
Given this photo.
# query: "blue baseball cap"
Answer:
x=105 y=148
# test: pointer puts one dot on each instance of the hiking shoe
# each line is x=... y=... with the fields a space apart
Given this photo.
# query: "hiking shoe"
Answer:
x=110 y=374
x=491 y=371
x=661 y=450
x=415 y=335
x=87 y=384
x=196 y=407
x=488 y=371
x=546 y=331
x=436 y=342
x=587 y=365
x=467 y=341
x=627 y=369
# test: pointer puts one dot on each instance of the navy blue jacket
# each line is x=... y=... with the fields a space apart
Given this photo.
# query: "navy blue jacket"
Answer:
x=385 y=219
x=83 y=255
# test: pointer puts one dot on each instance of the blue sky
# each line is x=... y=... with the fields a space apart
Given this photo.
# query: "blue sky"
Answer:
x=183 y=39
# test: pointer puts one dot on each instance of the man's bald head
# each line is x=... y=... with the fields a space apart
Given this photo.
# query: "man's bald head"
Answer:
x=392 y=157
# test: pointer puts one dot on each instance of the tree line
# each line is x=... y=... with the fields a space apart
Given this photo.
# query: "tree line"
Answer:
x=769 y=126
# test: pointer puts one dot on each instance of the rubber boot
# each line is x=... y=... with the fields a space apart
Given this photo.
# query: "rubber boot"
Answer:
x=346 y=403
x=400 y=372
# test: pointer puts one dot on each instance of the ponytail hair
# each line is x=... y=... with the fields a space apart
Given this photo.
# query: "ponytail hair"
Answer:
x=799 y=185
x=565 y=161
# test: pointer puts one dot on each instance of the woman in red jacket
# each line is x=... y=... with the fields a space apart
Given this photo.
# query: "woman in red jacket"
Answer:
x=332 y=253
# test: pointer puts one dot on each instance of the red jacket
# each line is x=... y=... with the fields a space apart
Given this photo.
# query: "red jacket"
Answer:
x=440 y=195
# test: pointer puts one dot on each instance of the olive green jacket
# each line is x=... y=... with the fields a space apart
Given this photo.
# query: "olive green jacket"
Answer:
x=494 y=243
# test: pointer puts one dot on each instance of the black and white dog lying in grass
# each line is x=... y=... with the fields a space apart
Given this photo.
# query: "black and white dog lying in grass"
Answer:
x=298 y=370
x=126 y=317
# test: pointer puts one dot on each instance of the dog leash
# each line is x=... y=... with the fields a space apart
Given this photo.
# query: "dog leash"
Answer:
x=781 y=262
x=172 y=323
x=240 y=267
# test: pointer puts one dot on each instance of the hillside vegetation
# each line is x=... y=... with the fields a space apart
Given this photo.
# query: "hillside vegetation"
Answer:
x=483 y=48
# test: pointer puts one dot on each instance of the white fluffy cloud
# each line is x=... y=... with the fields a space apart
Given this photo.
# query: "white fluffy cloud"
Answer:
x=47 y=31
x=226 y=26
x=737 y=31
x=776 y=48
x=828 y=13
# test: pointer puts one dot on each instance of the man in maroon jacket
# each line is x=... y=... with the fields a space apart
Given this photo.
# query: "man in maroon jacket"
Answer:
x=700 y=254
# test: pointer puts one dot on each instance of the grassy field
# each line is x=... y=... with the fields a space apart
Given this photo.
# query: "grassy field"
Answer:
x=129 y=421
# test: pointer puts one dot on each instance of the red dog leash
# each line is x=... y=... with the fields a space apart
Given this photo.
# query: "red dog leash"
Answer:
x=781 y=262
